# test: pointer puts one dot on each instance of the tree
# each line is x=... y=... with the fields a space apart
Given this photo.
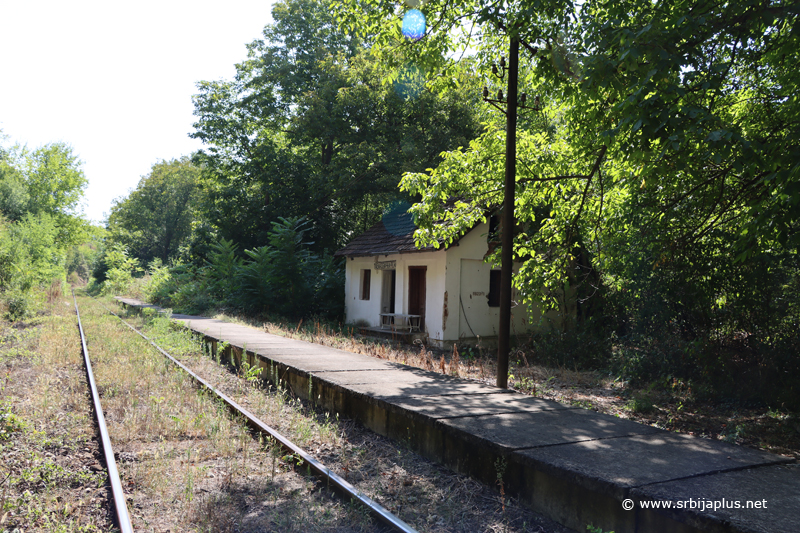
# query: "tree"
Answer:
x=155 y=219
x=40 y=192
x=509 y=71
x=14 y=197
x=82 y=257
x=695 y=100
x=667 y=145
x=54 y=180
x=307 y=128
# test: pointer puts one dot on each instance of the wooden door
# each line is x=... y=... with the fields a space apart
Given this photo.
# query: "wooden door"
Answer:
x=416 y=293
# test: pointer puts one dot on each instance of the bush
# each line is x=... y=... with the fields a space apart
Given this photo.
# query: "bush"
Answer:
x=222 y=279
x=191 y=297
x=21 y=304
x=118 y=270
x=283 y=278
x=159 y=282
x=584 y=347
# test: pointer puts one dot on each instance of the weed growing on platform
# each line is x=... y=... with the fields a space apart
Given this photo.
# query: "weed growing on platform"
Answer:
x=421 y=493
x=670 y=403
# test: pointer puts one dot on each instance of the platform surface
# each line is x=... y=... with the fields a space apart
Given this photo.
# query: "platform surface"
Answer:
x=593 y=463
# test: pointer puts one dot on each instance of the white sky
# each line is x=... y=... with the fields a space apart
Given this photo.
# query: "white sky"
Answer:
x=115 y=80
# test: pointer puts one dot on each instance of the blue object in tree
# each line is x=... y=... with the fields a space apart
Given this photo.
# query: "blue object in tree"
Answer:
x=414 y=24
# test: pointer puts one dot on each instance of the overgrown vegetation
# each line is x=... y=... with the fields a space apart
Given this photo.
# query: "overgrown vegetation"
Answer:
x=657 y=188
x=303 y=150
x=283 y=278
x=674 y=404
x=42 y=236
x=187 y=464
x=656 y=184
x=50 y=476
x=648 y=234
x=657 y=204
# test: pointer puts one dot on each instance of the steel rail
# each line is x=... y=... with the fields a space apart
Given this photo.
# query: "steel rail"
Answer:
x=123 y=518
x=321 y=470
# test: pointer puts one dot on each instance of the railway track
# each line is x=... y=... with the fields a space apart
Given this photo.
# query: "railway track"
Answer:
x=120 y=507
x=326 y=475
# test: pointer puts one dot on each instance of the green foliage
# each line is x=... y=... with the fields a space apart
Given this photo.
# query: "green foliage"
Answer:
x=284 y=278
x=292 y=267
x=220 y=273
x=39 y=249
x=155 y=220
x=39 y=196
x=643 y=405
x=164 y=332
x=250 y=374
x=308 y=129
x=21 y=304
x=159 y=279
x=54 y=179
x=82 y=258
x=119 y=270
x=30 y=256
x=657 y=185
x=46 y=180
x=9 y=423
x=192 y=297
x=177 y=286
x=14 y=197
x=586 y=347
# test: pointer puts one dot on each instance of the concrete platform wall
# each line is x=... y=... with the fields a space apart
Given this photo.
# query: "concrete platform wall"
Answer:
x=573 y=465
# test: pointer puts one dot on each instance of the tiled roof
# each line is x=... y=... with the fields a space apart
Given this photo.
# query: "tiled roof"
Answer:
x=379 y=240
x=394 y=234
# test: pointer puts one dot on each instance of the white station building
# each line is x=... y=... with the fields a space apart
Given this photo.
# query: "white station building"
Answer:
x=449 y=294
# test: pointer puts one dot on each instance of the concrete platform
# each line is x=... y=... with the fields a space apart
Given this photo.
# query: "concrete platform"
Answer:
x=774 y=488
x=576 y=466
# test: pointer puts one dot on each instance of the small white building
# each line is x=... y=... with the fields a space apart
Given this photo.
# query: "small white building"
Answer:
x=450 y=293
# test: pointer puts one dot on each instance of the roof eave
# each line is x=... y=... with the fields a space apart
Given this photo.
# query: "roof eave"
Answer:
x=388 y=252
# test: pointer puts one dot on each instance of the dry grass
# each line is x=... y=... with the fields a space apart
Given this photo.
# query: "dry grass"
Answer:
x=470 y=362
x=185 y=463
x=673 y=408
x=263 y=496
x=50 y=479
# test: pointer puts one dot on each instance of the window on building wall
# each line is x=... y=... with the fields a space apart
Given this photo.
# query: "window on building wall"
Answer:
x=366 y=274
x=494 y=288
x=494 y=228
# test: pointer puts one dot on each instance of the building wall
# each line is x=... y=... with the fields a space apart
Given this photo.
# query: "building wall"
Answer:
x=469 y=314
x=368 y=311
x=456 y=297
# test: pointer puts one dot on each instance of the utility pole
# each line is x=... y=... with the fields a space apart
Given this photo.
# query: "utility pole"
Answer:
x=508 y=220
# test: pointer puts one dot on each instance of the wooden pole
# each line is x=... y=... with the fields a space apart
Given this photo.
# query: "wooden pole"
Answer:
x=508 y=220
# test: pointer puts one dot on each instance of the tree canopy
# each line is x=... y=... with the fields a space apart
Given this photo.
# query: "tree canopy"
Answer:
x=658 y=182
x=155 y=219
x=673 y=124
x=40 y=194
x=308 y=128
